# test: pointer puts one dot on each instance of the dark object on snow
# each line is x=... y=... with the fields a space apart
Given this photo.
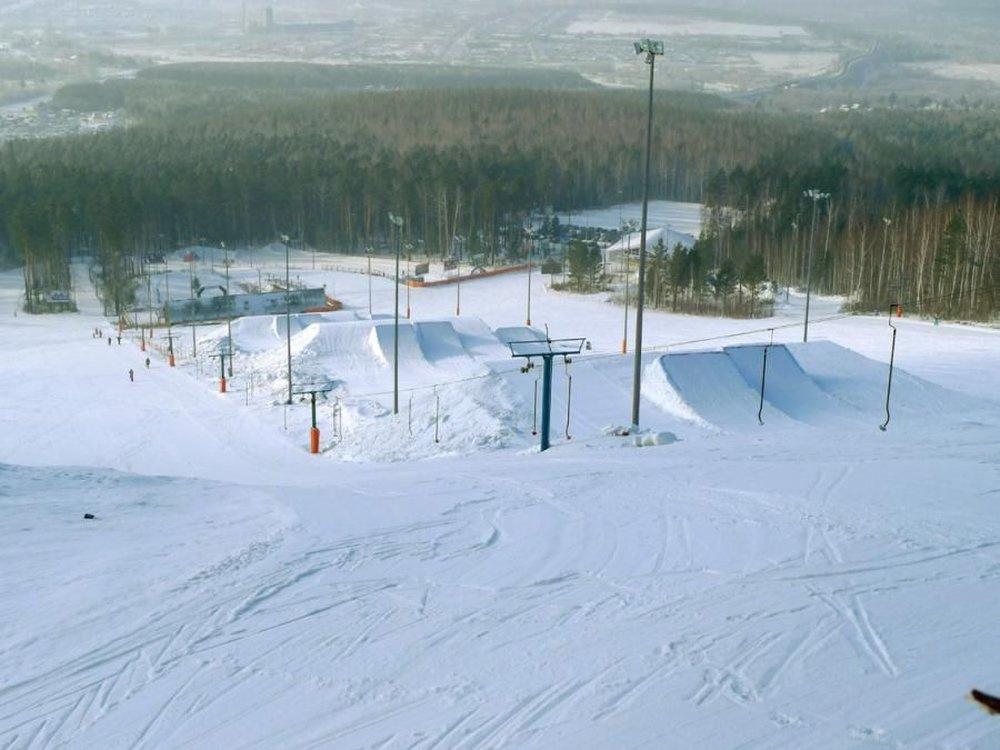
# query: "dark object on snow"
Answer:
x=88 y=516
x=990 y=703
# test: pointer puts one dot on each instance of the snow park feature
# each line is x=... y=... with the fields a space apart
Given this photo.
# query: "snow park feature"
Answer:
x=808 y=582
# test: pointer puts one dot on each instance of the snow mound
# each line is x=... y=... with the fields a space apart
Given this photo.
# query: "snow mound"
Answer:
x=710 y=386
x=819 y=384
x=860 y=383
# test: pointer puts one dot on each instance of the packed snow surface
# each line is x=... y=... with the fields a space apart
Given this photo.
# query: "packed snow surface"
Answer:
x=808 y=582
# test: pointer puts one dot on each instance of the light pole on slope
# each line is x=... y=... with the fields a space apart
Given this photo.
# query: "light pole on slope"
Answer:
x=649 y=49
x=397 y=222
x=816 y=196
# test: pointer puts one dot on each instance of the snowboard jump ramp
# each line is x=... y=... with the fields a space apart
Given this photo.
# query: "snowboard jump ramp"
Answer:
x=819 y=384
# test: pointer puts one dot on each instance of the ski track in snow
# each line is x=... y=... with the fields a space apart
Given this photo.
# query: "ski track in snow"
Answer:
x=757 y=590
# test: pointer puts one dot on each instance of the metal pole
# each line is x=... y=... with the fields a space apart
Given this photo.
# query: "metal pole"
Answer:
x=892 y=362
x=763 y=380
x=528 y=320
x=637 y=369
x=628 y=244
x=288 y=317
x=409 y=247
x=229 y=312
x=458 y=281
x=809 y=260
x=546 y=399
x=437 y=416
x=369 y=282
x=194 y=328
x=395 y=330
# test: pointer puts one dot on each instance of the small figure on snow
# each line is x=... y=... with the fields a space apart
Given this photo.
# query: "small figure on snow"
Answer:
x=131 y=375
x=147 y=363
x=109 y=341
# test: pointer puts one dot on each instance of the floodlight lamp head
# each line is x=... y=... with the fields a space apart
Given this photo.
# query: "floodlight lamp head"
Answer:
x=648 y=47
x=285 y=239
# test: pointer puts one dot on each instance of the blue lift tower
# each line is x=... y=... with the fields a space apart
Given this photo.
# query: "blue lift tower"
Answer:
x=545 y=349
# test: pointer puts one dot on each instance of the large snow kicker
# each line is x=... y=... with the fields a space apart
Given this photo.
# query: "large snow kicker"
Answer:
x=788 y=388
x=860 y=383
x=819 y=384
x=713 y=388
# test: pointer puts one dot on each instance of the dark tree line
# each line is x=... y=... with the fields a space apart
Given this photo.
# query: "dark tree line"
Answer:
x=243 y=165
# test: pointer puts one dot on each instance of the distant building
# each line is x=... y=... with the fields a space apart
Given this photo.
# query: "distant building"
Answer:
x=631 y=242
x=333 y=27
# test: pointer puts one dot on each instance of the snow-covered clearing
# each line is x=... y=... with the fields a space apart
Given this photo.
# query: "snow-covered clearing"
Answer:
x=989 y=72
x=811 y=582
x=795 y=63
x=615 y=24
x=680 y=217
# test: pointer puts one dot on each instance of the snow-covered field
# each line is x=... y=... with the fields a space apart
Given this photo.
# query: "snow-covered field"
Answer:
x=808 y=582
x=796 y=63
x=681 y=217
x=615 y=24
x=961 y=71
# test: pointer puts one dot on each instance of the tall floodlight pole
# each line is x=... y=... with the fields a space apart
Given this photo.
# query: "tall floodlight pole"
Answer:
x=194 y=334
x=171 y=360
x=229 y=310
x=409 y=252
x=397 y=222
x=368 y=252
x=288 y=312
x=649 y=49
x=530 y=236
x=149 y=296
x=886 y=223
x=630 y=225
x=816 y=197
x=458 y=239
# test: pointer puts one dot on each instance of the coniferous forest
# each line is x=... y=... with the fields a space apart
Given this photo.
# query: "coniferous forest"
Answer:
x=913 y=195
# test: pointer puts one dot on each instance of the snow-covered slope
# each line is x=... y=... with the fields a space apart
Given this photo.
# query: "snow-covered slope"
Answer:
x=797 y=584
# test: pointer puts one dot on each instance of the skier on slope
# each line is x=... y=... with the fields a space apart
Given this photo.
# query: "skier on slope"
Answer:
x=147 y=363
x=131 y=375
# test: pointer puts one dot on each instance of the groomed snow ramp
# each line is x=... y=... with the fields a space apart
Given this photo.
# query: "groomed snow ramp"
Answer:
x=712 y=387
x=788 y=388
x=819 y=384
x=860 y=383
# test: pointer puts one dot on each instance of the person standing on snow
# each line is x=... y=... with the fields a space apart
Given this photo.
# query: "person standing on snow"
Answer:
x=109 y=341
x=147 y=363
x=131 y=375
